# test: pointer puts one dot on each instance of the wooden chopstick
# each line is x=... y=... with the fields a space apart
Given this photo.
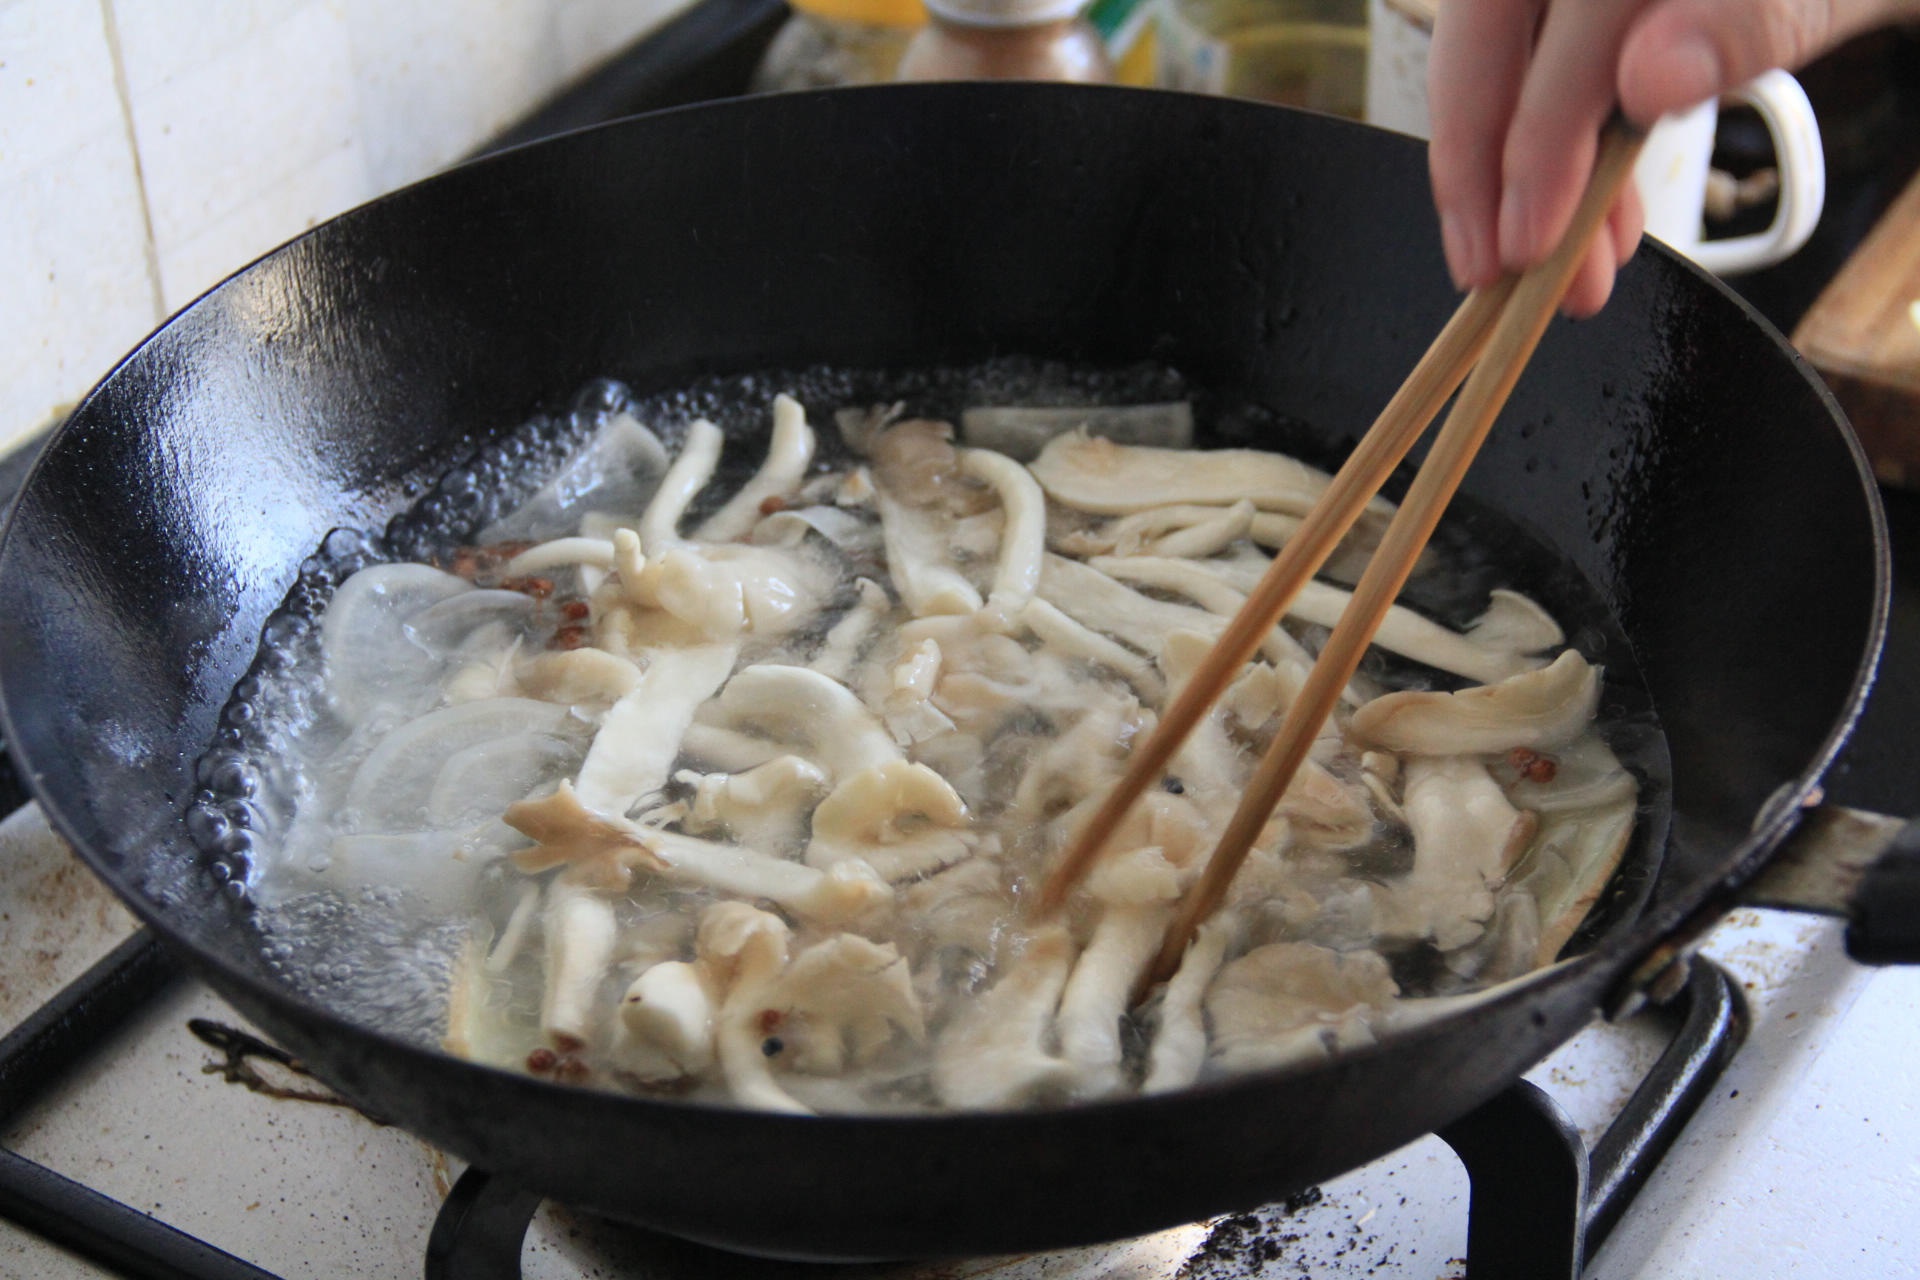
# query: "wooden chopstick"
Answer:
x=1517 y=332
x=1406 y=415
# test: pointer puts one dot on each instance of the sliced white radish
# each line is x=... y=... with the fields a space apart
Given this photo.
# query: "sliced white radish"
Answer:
x=390 y=791
x=363 y=638
x=480 y=781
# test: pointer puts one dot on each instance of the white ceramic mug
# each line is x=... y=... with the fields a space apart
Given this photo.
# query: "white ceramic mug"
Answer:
x=1672 y=173
x=1672 y=177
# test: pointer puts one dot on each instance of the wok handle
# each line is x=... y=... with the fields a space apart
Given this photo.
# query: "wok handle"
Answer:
x=1852 y=863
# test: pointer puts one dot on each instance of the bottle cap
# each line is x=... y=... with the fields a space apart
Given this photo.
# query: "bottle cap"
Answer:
x=1004 y=13
x=879 y=13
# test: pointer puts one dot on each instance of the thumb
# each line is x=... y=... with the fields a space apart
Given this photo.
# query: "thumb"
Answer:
x=1682 y=52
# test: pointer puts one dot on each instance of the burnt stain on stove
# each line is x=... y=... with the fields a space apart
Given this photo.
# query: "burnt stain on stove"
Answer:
x=1247 y=1243
x=285 y=1077
x=54 y=920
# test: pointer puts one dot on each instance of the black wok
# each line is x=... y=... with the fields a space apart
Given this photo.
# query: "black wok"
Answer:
x=1674 y=450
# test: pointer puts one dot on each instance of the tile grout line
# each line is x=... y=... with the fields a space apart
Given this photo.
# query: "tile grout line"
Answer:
x=150 y=251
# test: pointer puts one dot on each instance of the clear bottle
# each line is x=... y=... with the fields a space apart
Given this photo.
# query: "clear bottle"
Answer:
x=1006 y=40
x=835 y=42
x=1303 y=53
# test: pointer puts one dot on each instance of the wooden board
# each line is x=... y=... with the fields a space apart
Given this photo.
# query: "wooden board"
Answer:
x=1863 y=335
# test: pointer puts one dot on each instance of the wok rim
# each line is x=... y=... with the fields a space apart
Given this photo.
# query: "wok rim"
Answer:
x=1675 y=923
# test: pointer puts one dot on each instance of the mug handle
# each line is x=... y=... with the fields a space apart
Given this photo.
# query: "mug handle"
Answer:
x=1783 y=104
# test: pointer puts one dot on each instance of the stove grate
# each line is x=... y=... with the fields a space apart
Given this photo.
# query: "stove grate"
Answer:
x=1540 y=1201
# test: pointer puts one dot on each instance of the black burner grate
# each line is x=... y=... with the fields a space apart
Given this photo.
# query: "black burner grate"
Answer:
x=1540 y=1201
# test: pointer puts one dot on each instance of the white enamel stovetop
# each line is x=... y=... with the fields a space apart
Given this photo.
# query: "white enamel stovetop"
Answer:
x=1805 y=1162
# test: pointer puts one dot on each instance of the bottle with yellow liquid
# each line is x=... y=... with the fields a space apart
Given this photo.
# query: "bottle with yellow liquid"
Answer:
x=1303 y=53
x=835 y=42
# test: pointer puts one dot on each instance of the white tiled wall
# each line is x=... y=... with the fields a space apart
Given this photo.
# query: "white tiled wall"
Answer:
x=150 y=147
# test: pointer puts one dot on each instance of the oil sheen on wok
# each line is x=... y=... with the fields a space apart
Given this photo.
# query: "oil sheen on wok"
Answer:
x=721 y=764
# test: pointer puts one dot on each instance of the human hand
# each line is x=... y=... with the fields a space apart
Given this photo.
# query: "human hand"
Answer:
x=1520 y=88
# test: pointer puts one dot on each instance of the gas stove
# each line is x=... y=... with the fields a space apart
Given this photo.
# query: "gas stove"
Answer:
x=1803 y=1157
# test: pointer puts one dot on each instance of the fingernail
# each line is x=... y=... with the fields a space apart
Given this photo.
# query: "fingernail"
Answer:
x=1693 y=69
x=1517 y=249
x=1453 y=239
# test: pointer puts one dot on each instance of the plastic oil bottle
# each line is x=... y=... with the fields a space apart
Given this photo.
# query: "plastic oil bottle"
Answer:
x=1303 y=53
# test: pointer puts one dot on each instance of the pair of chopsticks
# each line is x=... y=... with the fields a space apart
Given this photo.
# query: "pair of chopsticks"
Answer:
x=1486 y=344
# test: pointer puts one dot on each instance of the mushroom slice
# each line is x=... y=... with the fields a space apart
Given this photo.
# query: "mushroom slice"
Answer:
x=861 y=428
x=559 y=553
x=1412 y=636
x=580 y=931
x=1021 y=432
x=744 y=950
x=1135 y=878
x=1572 y=859
x=805 y=709
x=856 y=490
x=665 y=1029
x=843 y=644
x=1207 y=763
x=764 y=807
x=915 y=469
x=1123 y=944
x=1063 y=636
x=856 y=538
x=689 y=474
x=993 y=1053
x=1175 y=530
x=842 y=1000
x=966 y=906
x=640 y=736
x=1536 y=709
x=1179 y=1048
x=1322 y=807
x=1076 y=764
x=788 y=452
x=1515 y=623
x=917 y=564
x=1088 y=473
x=1261 y=694
x=724 y=590
x=1183 y=578
x=591 y=678
x=846 y=892
x=1171 y=825
x=1290 y=1001
x=1485 y=653
x=1023 y=533
x=727 y=749
x=901 y=819
x=1466 y=835
x=1115 y=609
x=598 y=849
x=906 y=700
